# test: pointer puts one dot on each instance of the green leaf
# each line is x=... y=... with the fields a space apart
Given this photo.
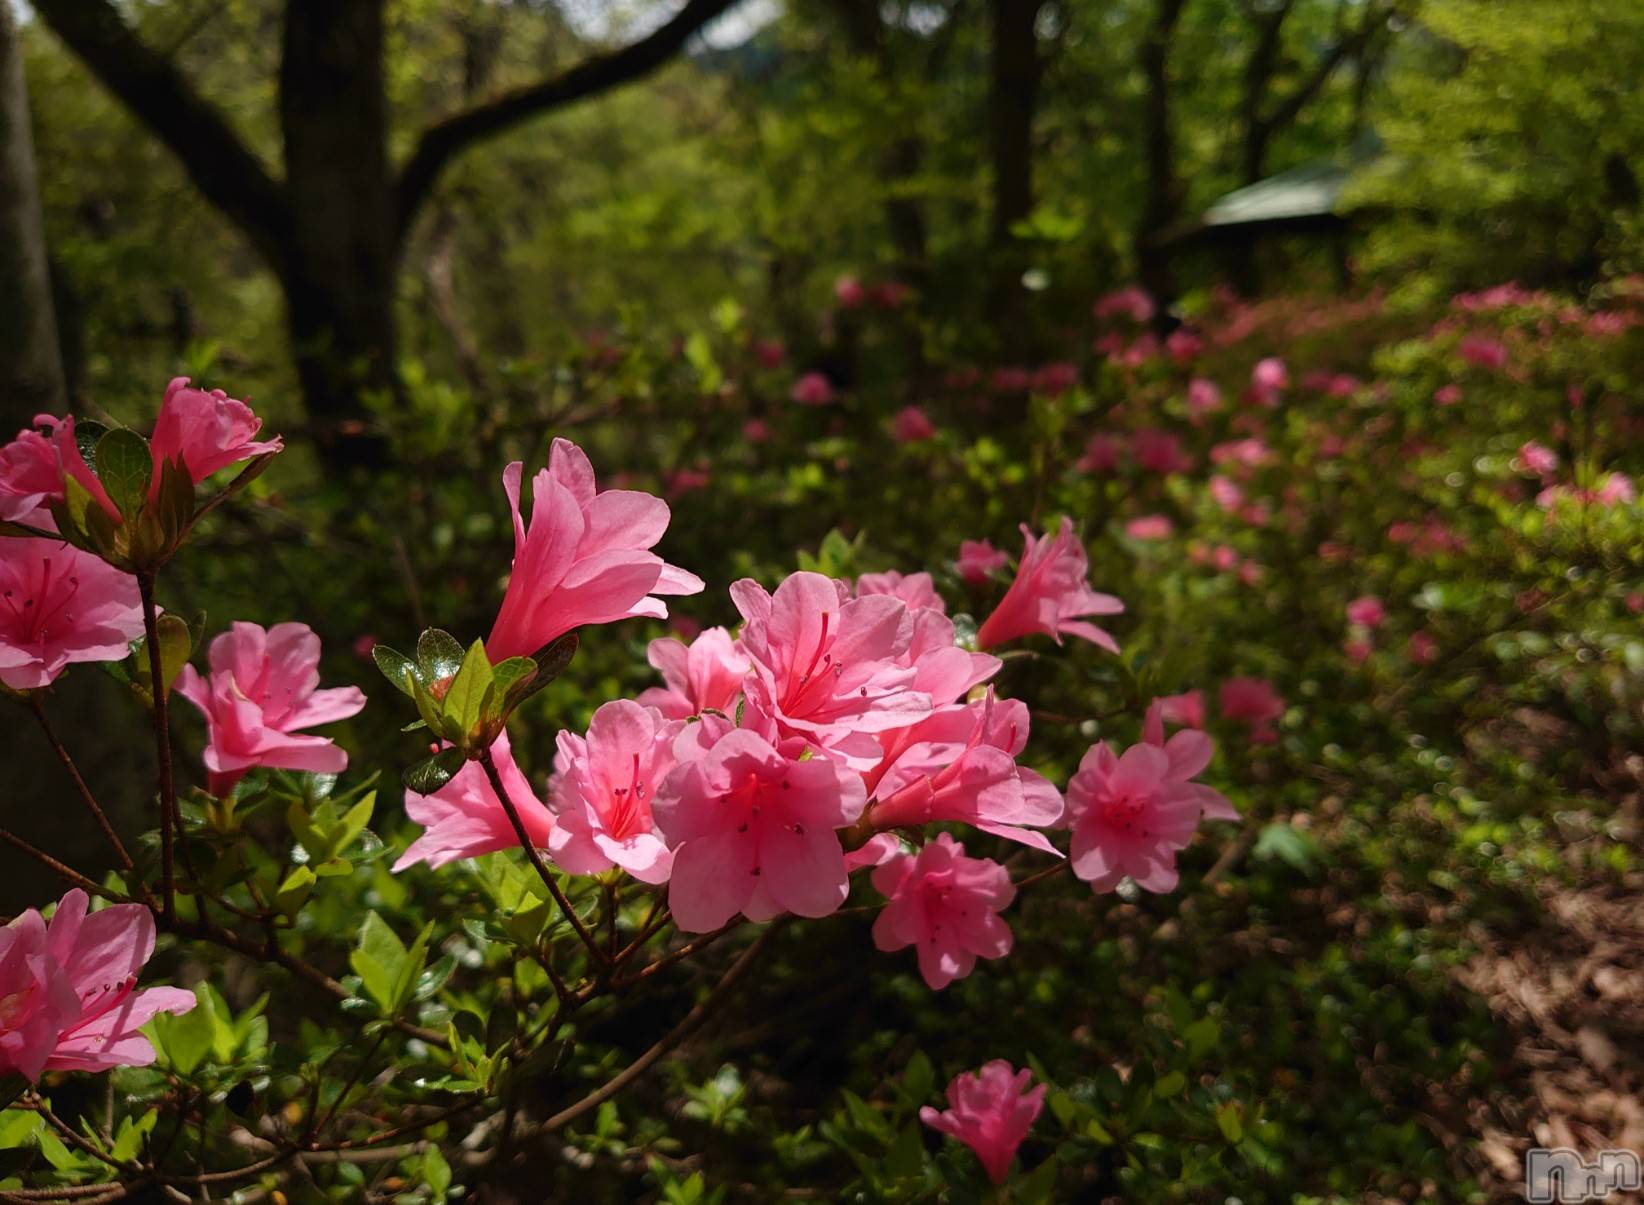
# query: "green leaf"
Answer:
x=436 y=1172
x=17 y=1126
x=174 y=501
x=405 y=982
x=439 y=656
x=465 y=700
x=128 y=1139
x=378 y=960
x=1170 y=1083
x=1287 y=844
x=513 y=677
x=1230 y=1120
x=184 y=1041
x=293 y=893
x=432 y=773
x=1201 y=1038
x=551 y=661
x=395 y=666
x=125 y=468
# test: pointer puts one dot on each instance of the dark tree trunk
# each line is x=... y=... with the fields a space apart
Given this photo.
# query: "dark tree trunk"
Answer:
x=31 y=362
x=1161 y=199
x=1015 y=70
x=338 y=268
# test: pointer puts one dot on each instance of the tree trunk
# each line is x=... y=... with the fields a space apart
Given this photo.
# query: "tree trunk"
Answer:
x=1014 y=74
x=338 y=269
x=31 y=362
x=1161 y=199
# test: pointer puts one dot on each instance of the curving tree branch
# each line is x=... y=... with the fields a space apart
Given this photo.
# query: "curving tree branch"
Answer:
x=148 y=83
x=447 y=139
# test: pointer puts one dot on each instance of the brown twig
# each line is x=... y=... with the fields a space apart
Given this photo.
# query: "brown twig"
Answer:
x=673 y=956
x=67 y=873
x=588 y=939
x=162 y=747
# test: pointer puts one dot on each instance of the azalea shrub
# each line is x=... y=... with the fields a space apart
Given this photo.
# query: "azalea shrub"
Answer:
x=678 y=828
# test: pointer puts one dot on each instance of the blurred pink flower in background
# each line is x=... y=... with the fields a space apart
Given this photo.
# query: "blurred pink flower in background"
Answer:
x=1159 y=451
x=1183 y=344
x=1447 y=395
x=1132 y=302
x=1483 y=351
x=1252 y=701
x=812 y=389
x=1367 y=611
x=1150 y=527
x=770 y=353
x=912 y=425
x=1101 y=454
x=848 y=292
x=1185 y=710
x=756 y=431
x=1056 y=378
x=1203 y=397
x=1538 y=458
x=1422 y=648
x=978 y=559
x=1268 y=380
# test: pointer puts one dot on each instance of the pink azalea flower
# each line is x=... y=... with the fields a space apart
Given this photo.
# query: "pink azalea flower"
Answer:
x=1159 y=451
x=917 y=590
x=812 y=389
x=848 y=292
x=1482 y=351
x=1101 y=454
x=1011 y=379
x=464 y=819
x=1538 y=458
x=1051 y=594
x=1132 y=302
x=1150 y=527
x=1268 y=379
x=891 y=295
x=68 y=990
x=1447 y=395
x=585 y=558
x=1129 y=814
x=261 y=692
x=30 y=478
x=753 y=831
x=1614 y=489
x=1226 y=493
x=770 y=353
x=1185 y=710
x=991 y=1111
x=960 y=766
x=363 y=644
x=705 y=675
x=685 y=480
x=756 y=431
x=1367 y=612
x=1183 y=344
x=1203 y=397
x=602 y=792
x=912 y=425
x=946 y=906
x=1056 y=378
x=1357 y=651
x=1249 y=452
x=1252 y=701
x=1422 y=649
x=979 y=560
x=59 y=605
x=207 y=431
x=827 y=667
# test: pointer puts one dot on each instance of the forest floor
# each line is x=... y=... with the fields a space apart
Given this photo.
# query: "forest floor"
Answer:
x=1568 y=993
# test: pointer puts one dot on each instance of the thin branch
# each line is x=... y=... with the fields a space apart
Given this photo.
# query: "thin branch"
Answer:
x=149 y=84
x=444 y=141
x=546 y=875
x=703 y=1010
x=162 y=747
x=673 y=956
x=67 y=873
x=38 y=706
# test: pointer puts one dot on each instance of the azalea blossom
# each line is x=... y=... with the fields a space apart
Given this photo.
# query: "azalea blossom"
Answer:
x=848 y=292
x=1101 y=454
x=1537 y=458
x=1252 y=701
x=1483 y=351
x=1185 y=710
x=59 y=605
x=705 y=675
x=584 y=559
x=753 y=831
x=1130 y=813
x=602 y=791
x=813 y=389
x=1203 y=397
x=1132 y=302
x=464 y=818
x=912 y=425
x=262 y=691
x=1268 y=379
x=30 y=478
x=979 y=560
x=1367 y=611
x=991 y=1111
x=827 y=667
x=946 y=906
x=1150 y=527
x=917 y=590
x=1056 y=378
x=1051 y=594
x=1422 y=648
x=1183 y=344
x=1159 y=451
x=68 y=989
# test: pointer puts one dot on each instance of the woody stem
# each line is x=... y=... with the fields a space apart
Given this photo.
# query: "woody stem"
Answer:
x=162 y=745
x=588 y=939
